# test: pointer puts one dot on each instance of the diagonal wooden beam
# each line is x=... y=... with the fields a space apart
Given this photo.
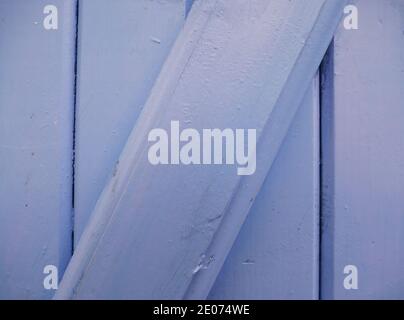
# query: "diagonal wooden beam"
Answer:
x=164 y=231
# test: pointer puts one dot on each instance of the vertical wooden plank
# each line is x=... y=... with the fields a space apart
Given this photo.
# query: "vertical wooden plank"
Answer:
x=152 y=224
x=36 y=130
x=364 y=155
x=122 y=46
x=276 y=252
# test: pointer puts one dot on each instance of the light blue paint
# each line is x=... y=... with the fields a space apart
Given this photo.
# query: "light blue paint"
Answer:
x=122 y=47
x=152 y=225
x=274 y=132
x=36 y=130
x=276 y=252
x=363 y=187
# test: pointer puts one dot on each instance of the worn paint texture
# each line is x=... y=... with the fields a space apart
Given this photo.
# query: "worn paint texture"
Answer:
x=74 y=172
x=165 y=218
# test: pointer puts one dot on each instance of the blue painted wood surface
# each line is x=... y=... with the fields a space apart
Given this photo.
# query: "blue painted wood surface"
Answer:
x=363 y=186
x=121 y=49
x=36 y=131
x=276 y=254
x=165 y=218
x=119 y=78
